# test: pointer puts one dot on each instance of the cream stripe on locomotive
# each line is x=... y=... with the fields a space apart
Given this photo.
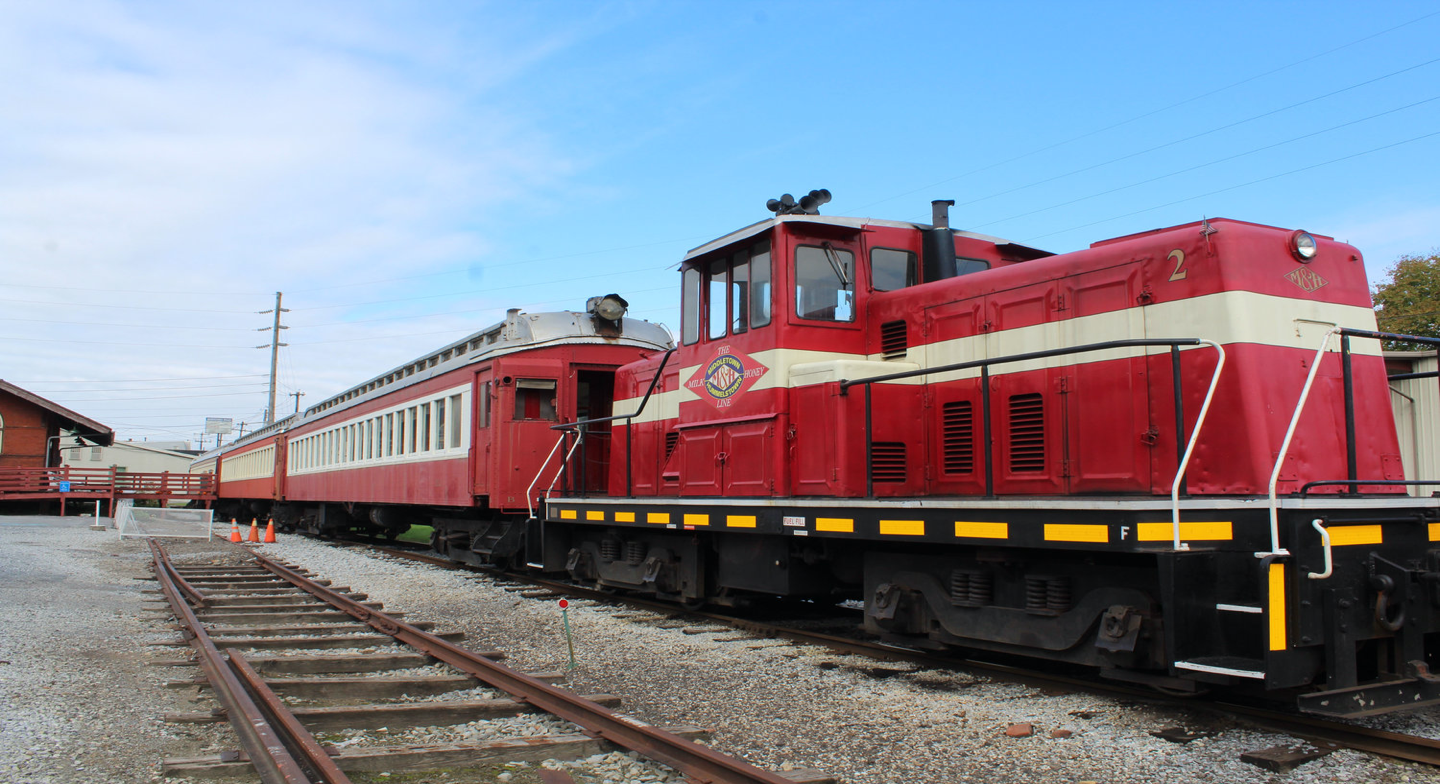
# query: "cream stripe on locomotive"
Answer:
x=257 y=464
x=433 y=427
x=1226 y=318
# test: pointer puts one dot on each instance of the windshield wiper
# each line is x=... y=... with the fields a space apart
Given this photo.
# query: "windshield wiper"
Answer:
x=834 y=258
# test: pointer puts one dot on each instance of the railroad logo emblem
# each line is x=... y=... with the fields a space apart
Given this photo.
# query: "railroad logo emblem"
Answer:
x=725 y=377
x=1306 y=278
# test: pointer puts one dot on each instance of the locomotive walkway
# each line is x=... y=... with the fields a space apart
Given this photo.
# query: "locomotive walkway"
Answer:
x=64 y=483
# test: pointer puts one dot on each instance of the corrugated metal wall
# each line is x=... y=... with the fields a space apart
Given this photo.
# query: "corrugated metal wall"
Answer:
x=1417 y=422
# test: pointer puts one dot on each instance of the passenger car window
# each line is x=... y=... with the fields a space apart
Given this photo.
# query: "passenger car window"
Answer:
x=824 y=283
x=535 y=399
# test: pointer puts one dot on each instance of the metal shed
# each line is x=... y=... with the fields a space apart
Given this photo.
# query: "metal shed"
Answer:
x=1417 y=414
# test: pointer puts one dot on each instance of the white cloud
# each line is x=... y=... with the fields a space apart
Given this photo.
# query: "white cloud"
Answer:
x=160 y=151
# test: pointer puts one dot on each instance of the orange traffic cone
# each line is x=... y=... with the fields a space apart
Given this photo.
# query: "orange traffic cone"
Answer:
x=254 y=531
x=234 y=530
x=270 y=531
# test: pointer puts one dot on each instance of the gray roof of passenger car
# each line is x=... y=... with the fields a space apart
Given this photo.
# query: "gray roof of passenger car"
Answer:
x=519 y=331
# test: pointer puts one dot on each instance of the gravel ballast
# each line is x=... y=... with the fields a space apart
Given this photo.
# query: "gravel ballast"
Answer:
x=786 y=706
x=78 y=700
x=81 y=703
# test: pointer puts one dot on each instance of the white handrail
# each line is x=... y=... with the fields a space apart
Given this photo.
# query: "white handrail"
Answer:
x=1190 y=448
x=1275 y=548
x=564 y=463
x=529 y=491
x=1319 y=525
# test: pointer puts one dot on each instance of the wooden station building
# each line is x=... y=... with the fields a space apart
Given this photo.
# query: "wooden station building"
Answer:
x=31 y=428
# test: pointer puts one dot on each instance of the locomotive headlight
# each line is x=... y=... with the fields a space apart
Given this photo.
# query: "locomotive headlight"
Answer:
x=608 y=313
x=1303 y=246
x=611 y=307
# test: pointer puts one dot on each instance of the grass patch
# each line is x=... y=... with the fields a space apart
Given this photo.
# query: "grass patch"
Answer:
x=419 y=534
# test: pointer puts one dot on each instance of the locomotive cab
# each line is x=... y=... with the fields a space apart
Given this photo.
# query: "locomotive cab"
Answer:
x=774 y=317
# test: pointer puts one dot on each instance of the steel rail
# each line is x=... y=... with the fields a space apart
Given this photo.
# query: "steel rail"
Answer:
x=698 y=763
x=1390 y=744
x=314 y=756
x=264 y=748
x=189 y=591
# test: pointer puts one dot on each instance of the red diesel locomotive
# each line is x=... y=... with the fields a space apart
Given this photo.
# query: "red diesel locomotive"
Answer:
x=1170 y=456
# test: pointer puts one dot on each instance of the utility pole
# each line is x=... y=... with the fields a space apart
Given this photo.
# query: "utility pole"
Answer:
x=297 y=396
x=274 y=347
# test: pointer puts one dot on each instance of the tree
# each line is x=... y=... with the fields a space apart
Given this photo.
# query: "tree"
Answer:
x=1410 y=302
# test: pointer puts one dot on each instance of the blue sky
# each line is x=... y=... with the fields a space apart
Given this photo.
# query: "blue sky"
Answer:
x=405 y=172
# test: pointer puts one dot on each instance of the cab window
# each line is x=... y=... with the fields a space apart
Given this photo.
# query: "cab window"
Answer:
x=964 y=266
x=892 y=269
x=760 y=285
x=690 y=317
x=730 y=294
x=717 y=276
x=824 y=283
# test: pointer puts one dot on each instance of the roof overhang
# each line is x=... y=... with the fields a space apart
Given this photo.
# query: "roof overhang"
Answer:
x=83 y=426
x=836 y=221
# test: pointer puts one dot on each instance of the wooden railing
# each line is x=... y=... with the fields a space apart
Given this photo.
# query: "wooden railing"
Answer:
x=67 y=483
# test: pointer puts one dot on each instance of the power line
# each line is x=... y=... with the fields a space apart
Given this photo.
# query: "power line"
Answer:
x=139 y=380
x=141 y=389
x=156 y=397
x=1192 y=137
x=1241 y=185
x=441 y=273
x=486 y=290
x=1153 y=112
x=120 y=343
x=125 y=307
x=492 y=308
x=437 y=332
x=1202 y=165
x=381 y=337
x=186 y=327
x=526 y=262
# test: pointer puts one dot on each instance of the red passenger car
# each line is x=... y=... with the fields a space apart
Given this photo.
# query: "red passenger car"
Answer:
x=456 y=439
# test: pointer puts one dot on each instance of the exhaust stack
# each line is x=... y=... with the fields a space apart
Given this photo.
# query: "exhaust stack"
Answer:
x=939 y=243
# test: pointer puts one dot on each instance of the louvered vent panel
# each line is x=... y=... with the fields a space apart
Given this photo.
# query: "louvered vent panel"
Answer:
x=1027 y=433
x=958 y=431
x=671 y=439
x=887 y=461
x=894 y=339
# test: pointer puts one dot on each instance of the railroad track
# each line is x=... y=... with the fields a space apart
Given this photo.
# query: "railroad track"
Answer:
x=1322 y=732
x=348 y=655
